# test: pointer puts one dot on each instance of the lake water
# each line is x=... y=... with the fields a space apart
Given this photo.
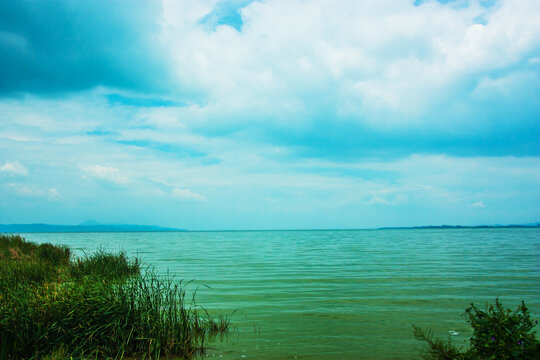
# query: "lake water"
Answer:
x=337 y=294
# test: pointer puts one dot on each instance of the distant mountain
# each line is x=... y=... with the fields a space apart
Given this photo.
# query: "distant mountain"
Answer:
x=89 y=226
x=90 y=222
x=531 y=225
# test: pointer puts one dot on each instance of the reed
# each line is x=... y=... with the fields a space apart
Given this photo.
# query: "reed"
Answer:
x=104 y=266
x=15 y=247
x=98 y=306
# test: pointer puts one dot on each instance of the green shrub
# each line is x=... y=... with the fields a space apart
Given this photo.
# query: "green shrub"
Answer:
x=498 y=333
x=437 y=349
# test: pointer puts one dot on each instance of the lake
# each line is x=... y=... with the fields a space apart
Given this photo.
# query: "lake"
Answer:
x=346 y=294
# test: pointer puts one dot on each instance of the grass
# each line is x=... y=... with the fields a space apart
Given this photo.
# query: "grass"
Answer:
x=103 y=265
x=98 y=306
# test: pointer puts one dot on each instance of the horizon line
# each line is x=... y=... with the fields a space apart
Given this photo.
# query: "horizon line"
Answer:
x=158 y=228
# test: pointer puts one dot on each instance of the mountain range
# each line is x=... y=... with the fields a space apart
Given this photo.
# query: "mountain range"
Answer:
x=89 y=226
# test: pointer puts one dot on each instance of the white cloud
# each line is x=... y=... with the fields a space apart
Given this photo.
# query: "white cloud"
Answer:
x=376 y=55
x=53 y=194
x=106 y=173
x=186 y=194
x=478 y=204
x=378 y=200
x=24 y=190
x=14 y=168
x=31 y=191
x=364 y=61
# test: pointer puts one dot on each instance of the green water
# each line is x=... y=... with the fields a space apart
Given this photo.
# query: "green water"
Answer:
x=337 y=294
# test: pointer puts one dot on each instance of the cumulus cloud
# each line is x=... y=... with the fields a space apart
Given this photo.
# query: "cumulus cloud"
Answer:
x=389 y=196
x=323 y=110
x=106 y=173
x=362 y=76
x=334 y=79
x=29 y=191
x=478 y=204
x=53 y=194
x=186 y=194
x=14 y=168
x=363 y=56
x=24 y=190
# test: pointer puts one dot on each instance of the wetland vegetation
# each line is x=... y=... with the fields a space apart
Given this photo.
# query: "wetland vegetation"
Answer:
x=498 y=334
x=55 y=306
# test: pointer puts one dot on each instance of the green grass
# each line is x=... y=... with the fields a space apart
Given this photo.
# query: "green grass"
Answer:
x=98 y=306
x=15 y=247
x=104 y=266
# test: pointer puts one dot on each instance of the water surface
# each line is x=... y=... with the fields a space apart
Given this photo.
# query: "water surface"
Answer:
x=337 y=294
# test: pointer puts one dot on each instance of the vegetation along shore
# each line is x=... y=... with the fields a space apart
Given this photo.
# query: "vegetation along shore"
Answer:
x=498 y=333
x=56 y=306
x=107 y=306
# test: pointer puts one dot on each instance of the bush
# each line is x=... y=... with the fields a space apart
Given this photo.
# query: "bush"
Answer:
x=498 y=333
x=437 y=349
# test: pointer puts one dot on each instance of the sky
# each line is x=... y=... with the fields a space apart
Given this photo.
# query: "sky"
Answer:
x=270 y=114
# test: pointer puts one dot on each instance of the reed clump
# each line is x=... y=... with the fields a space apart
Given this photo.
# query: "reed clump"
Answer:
x=104 y=265
x=99 y=306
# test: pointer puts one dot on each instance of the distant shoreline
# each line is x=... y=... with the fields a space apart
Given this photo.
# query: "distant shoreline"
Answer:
x=463 y=227
x=47 y=228
x=99 y=228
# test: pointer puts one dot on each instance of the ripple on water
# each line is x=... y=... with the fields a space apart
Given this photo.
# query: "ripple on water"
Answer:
x=337 y=294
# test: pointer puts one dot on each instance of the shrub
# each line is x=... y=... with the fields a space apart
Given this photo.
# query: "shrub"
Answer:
x=498 y=333
x=437 y=349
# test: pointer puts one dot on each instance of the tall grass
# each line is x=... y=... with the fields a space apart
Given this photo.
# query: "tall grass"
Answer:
x=15 y=247
x=97 y=306
x=23 y=262
x=104 y=266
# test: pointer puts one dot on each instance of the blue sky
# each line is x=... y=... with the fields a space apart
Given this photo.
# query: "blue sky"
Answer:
x=270 y=114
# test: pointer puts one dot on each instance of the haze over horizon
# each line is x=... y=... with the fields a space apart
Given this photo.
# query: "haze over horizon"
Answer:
x=270 y=114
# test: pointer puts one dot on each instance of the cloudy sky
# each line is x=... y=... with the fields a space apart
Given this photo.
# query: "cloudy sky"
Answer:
x=270 y=114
